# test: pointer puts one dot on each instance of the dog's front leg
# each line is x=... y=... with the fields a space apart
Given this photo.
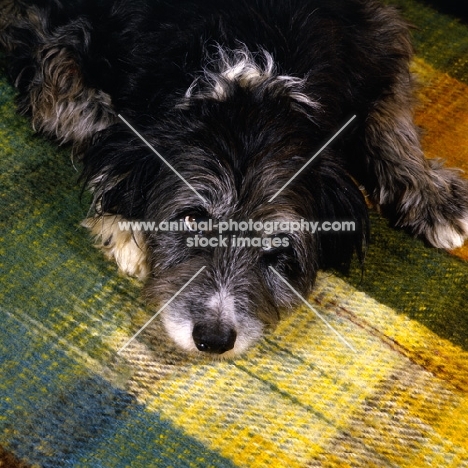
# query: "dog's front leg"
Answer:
x=46 y=66
x=418 y=194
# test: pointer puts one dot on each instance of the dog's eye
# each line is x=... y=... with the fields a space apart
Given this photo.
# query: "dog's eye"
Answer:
x=196 y=223
x=190 y=223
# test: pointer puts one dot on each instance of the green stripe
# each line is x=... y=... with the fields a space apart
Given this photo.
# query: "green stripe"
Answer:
x=439 y=39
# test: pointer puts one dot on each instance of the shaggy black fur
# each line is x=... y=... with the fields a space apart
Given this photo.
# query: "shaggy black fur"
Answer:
x=237 y=95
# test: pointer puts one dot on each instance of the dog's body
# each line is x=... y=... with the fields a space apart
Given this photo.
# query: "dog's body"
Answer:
x=237 y=96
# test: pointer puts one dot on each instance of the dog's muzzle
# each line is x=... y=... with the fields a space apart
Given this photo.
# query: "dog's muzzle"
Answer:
x=216 y=340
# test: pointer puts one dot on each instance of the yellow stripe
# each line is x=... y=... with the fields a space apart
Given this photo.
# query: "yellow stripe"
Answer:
x=426 y=396
x=301 y=393
x=397 y=332
x=301 y=396
x=245 y=420
x=274 y=407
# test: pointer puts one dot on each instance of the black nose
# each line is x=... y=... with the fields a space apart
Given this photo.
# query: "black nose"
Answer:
x=213 y=339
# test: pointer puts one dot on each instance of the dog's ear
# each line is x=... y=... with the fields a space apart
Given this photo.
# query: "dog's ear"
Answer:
x=340 y=203
x=120 y=171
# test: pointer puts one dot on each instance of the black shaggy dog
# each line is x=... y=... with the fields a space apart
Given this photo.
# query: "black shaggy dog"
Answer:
x=236 y=97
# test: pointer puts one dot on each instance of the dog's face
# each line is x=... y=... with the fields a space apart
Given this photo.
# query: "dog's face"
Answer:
x=237 y=150
x=227 y=305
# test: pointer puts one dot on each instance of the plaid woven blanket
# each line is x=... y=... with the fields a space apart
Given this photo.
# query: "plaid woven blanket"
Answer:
x=299 y=399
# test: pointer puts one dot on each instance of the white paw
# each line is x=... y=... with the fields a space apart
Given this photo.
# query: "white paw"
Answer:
x=126 y=247
x=446 y=236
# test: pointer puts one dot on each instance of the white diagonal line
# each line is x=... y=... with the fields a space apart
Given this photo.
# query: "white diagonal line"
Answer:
x=314 y=311
x=159 y=155
x=160 y=310
x=312 y=158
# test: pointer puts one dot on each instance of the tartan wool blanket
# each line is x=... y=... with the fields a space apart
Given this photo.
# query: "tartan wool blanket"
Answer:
x=299 y=399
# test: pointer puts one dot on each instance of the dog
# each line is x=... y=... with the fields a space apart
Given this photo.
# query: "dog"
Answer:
x=207 y=114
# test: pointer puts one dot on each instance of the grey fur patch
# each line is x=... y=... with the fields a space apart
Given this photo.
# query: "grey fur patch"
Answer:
x=62 y=105
x=247 y=69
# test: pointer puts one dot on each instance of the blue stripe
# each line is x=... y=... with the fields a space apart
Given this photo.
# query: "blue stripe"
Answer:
x=54 y=413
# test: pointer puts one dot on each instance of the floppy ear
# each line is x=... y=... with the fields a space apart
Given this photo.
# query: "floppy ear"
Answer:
x=338 y=199
x=120 y=171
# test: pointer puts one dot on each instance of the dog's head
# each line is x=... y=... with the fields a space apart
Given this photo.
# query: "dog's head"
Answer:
x=228 y=200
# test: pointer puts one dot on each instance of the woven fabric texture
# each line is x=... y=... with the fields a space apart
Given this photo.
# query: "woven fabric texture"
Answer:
x=299 y=399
